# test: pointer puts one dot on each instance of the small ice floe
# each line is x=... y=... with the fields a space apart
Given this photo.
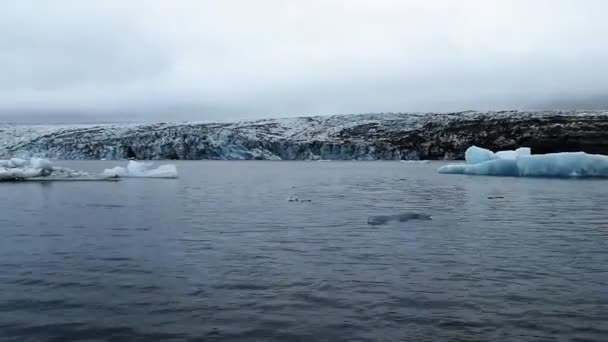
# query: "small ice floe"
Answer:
x=376 y=220
x=142 y=170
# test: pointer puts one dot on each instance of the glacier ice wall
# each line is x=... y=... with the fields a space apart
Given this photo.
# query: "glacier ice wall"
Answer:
x=389 y=136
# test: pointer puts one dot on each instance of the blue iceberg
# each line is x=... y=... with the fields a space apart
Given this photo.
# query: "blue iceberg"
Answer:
x=521 y=163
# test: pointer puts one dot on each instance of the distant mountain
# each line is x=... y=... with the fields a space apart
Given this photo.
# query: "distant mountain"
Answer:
x=387 y=136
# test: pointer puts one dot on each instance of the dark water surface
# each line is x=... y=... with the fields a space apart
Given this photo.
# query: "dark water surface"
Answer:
x=221 y=255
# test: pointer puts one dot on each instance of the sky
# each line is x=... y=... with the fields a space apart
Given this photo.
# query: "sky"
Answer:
x=161 y=60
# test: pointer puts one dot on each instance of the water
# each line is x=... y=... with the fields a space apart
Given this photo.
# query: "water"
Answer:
x=221 y=255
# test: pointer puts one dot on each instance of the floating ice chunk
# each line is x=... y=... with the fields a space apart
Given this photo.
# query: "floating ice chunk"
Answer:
x=117 y=171
x=17 y=162
x=475 y=155
x=19 y=169
x=19 y=173
x=384 y=219
x=521 y=163
x=38 y=169
x=567 y=164
x=43 y=164
x=142 y=170
x=496 y=167
x=512 y=155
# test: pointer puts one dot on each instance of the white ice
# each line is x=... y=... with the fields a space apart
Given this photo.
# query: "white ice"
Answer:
x=142 y=170
x=12 y=163
x=42 y=164
x=20 y=169
x=521 y=163
x=19 y=173
x=512 y=155
x=475 y=155
x=37 y=168
x=16 y=168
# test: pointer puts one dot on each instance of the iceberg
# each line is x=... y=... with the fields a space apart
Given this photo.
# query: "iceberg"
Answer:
x=20 y=169
x=512 y=155
x=142 y=170
x=13 y=163
x=15 y=173
x=42 y=164
x=38 y=169
x=476 y=155
x=521 y=163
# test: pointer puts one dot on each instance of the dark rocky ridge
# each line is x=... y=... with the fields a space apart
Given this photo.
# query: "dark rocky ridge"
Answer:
x=360 y=137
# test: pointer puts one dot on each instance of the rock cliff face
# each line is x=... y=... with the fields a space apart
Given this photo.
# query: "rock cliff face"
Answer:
x=361 y=137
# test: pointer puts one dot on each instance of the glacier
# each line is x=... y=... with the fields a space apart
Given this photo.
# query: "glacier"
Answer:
x=383 y=136
x=521 y=163
x=136 y=169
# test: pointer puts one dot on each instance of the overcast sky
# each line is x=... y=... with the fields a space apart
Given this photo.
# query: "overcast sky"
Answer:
x=233 y=59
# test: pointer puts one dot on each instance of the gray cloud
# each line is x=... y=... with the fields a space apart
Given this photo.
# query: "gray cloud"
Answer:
x=219 y=60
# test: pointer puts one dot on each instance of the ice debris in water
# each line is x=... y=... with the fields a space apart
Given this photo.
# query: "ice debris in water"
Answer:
x=13 y=163
x=37 y=168
x=20 y=169
x=42 y=169
x=42 y=164
x=375 y=220
x=142 y=170
x=521 y=163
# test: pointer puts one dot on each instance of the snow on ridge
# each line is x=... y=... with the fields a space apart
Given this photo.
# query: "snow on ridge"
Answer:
x=290 y=127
